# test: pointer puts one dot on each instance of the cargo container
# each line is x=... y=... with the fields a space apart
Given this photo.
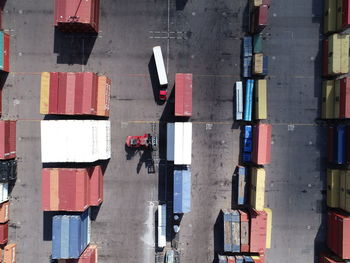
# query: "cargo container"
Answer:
x=89 y=256
x=333 y=188
x=342 y=189
x=248 y=100
x=248 y=132
x=103 y=96
x=325 y=57
x=9 y=253
x=336 y=99
x=346 y=14
x=158 y=57
x=247 y=145
x=246 y=157
x=258 y=64
x=70 y=235
x=239 y=100
x=257 y=43
x=247 y=46
x=161 y=226
x=4 y=51
x=259 y=18
x=330 y=143
x=179 y=142
x=248 y=259
x=244 y=231
x=239 y=259
x=328 y=90
x=268 y=227
x=247 y=67
x=4 y=212
x=77 y=16
x=338 y=238
x=344 y=111
x=258 y=226
x=338 y=54
x=183 y=95
x=8 y=170
x=75 y=140
x=4 y=232
x=231 y=259
x=222 y=259
x=231 y=229
x=257 y=189
x=261 y=144
x=242 y=185
x=4 y=192
x=260 y=99
x=339 y=14
x=182 y=191
x=65 y=189
x=339 y=145
x=330 y=16
x=7 y=139
x=347 y=191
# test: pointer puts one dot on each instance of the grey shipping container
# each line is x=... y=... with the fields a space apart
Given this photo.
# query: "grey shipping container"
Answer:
x=222 y=259
x=231 y=227
x=239 y=259
x=247 y=67
x=242 y=185
x=8 y=170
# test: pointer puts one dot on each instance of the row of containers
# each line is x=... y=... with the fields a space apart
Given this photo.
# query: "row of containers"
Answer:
x=335 y=100
x=78 y=186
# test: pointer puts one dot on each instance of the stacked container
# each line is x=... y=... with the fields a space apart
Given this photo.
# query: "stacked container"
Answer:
x=336 y=15
x=338 y=189
x=335 y=55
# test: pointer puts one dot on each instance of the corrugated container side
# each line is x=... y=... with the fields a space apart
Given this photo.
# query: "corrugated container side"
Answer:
x=89 y=93
x=6 y=53
x=344 y=57
x=70 y=94
x=4 y=212
x=44 y=92
x=103 y=96
x=334 y=54
x=65 y=229
x=344 y=111
x=325 y=57
x=4 y=232
x=10 y=253
x=54 y=93
x=328 y=99
x=330 y=144
x=342 y=195
x=56 y=237
x=75 y=237
x=346 y=14
x=268 y=227
x=62 y=92
x=330 y=13
x=339 y=143
x=244 y=231
x=333 y=188
x=339 y=15
x=96 y=186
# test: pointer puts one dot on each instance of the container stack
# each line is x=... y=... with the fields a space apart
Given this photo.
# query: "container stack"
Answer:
x=73 y=182
x=336 y=113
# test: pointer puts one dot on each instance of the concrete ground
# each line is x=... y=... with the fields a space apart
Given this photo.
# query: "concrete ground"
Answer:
x=199 y=37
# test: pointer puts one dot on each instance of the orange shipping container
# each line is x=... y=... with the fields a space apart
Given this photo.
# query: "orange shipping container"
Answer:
x=103 y=96
x=4 y=212
x=10 y=253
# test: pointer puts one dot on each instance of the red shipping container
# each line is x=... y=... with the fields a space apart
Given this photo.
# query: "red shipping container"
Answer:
x=346 y=14
x=96 y=186
x=347 y=141
x=62 y=92
x=262 y=144
x=4 y=231
x=258 y=225
x=244 y=230
x=7 y=139
x=70 y=94
x=231 y=259
x=183 y=94
x=89 y=104
x=77 y=15
x=345 y=98
x=6 y=53
x=266 y=2
x=339 y=234
x=88 y=256
x=330 y=143
x=330 y=231
x=259 y=18
x=79 y=93
x=325 y=57
x=53 y=95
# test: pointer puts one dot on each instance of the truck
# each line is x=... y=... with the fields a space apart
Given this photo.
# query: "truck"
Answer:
x=146 y=141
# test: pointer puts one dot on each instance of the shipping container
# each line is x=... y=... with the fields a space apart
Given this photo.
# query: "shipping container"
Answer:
x=242 y=185
x=44 y=92
x=246 y=157
x=339 y=14
x=258 y=226
x=333 y=188
x=70 y=235
x=344 y=103
x=222 y=259
x=4 y=233
x=257 y=43
x=330 y=16
x=103 y=96
x=183 y=94
x=248 y=132
x=179 y=142
x=249 y=100
x=330 y=143
x=7 y=139
x=75 y=140
x=239 y=100
x=259 y=18
x=8 y=170
x=260 y=100
x=342 y=189
x=336 y=99
x=88 y=256
x=247 y=145
x=248 y=259
x=4 y=212
x=262 y=144
x=96 y=186
x=162 y=226
x=328 y=90
x=347 y=191
x=77 y=16
x=339 y=145
x=268 y=227
x=158 y=57
x=325 y=57
x=9 y=253
x=4 y=51
x=231 y=229
x=231 y=259
x=346 y=14
x=247 y=46
x=182 y=191
x=338 y=54
x=239 y=259
x=247 y=67
x=244 y=231
x=257 y=189
x=258 y=64
x=339 y=239
x=4 y=192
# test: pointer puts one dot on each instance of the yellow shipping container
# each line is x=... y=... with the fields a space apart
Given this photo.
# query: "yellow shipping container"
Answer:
x=330 y=16
x=342 y=196
x=333 y=188
x=344 y=57
x=339 y=14
x=268 y=227
x=255 y=3
x=336 y=99
x=334 y=54
x=257 y=190
x=347 y=192
x=260 y=100
x=328 y=99
x=44 y=92
x=258 y=63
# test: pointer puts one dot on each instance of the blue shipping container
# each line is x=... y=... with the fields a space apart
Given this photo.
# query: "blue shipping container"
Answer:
x=239 y=259
x=70 y=235
x=246 y=157
x=248 y=100
x=247 y=67
x=242 y=185
x=339 y=145
x=247 y=46
x=248 y=134
x=222 y=259
x=182 y=191
x=265 y=65
x=247 y=145
x=248 y=259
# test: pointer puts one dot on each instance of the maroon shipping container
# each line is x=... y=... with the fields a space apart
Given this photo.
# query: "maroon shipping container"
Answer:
x=325 y=57
x=346 y=14
x=77 y=15
x=262 y=144
x=7 y=139
x=347 y=142
x=266 y=2
x=96 y=186
x=259 y=18
x=330 y=142
x=53 y=95
x=62 y=92
x=183 y=94
x=344 y=98
x=244 y=231
x=258 y=228
x=4 y=233
x=338 y=238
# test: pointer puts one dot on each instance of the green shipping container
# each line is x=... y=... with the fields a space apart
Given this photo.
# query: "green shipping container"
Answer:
x=330 y=16
x=1 y=50
x=328 y=99
x=257 y=44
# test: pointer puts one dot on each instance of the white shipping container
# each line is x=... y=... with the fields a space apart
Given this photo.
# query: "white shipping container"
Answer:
x=4 y=192
x=75 y=140
x=183 y=143
x=239 y=100
x=170 y=141
x=161 y=225
x=158 y=57
x=161 y=237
